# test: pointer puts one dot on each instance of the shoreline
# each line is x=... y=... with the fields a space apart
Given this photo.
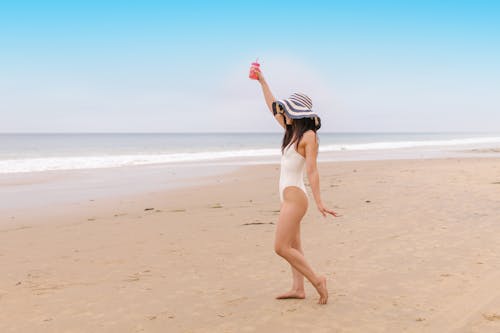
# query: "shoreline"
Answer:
x=27 y=166
x=61 y=192
x=79 y=192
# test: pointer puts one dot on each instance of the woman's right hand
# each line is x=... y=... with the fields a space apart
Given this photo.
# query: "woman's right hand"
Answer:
x=323 y=210
x=258 y=72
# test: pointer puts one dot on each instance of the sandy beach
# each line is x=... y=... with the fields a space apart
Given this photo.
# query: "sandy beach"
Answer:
x=416 y=250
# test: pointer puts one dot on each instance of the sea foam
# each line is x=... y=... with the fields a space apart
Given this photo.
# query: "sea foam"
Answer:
x=31 y=164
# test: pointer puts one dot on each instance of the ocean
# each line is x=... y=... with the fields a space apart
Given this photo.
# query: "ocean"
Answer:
x=42 y=152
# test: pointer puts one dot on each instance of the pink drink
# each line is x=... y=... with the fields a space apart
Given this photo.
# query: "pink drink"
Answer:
x=253 y=70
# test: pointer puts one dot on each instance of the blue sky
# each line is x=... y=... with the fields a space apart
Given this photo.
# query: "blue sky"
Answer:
x=157 y=66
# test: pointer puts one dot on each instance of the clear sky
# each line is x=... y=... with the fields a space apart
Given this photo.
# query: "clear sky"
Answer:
x=165 y=66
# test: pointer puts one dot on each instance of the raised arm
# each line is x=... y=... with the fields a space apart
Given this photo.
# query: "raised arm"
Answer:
x=269 y=98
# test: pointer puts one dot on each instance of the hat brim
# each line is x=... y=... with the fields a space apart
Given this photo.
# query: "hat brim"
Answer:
x=294 y=110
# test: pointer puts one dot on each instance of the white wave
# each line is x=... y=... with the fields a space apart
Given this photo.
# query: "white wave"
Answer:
x=107 y=161
x=408 y=144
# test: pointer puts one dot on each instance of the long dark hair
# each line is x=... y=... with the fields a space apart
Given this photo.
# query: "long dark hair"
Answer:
x=297 y=129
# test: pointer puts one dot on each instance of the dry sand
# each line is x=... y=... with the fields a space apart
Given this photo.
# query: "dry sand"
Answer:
x=416 y=250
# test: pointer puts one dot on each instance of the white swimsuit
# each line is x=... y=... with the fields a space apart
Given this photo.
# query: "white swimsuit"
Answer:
x=292 y=170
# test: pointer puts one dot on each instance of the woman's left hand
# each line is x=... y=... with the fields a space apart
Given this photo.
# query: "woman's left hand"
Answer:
x=323 y=210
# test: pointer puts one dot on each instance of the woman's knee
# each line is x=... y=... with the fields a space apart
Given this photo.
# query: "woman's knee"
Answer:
x=281 y=249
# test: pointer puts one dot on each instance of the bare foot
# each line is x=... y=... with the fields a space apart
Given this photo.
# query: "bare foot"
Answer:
x=322 y=291
x=301 y=294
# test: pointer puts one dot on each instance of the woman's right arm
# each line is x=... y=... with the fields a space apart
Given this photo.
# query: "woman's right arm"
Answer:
x=269 y=98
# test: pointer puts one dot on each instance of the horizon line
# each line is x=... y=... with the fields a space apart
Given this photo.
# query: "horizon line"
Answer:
x=280 y=132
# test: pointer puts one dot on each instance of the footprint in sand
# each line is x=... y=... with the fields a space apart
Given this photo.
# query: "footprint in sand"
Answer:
x=169 y=315
x=217 y=205
x=137 y=276
x=237 y=300
x=491 y=316
x=40 y=289
x=257 y=223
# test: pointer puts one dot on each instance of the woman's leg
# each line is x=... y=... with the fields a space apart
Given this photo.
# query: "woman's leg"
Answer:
x=293 y=209
x=297 y=290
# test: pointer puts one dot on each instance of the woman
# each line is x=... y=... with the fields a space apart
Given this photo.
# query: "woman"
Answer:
x=300 y=124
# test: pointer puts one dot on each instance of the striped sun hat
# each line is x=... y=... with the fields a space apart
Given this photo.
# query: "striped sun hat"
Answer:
x=297 y=106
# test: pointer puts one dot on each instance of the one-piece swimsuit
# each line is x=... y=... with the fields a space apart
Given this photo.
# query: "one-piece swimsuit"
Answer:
x=291 y=170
